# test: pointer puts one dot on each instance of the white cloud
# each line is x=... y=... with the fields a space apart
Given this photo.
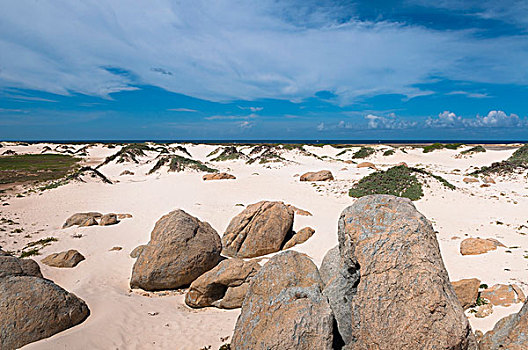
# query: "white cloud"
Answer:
x=469 y=94
x=232 y=117
x=229 y=49
x=321 y=126
x=388 y=122
x=181 y=110
x=445 y=119
x=494 y=119
x=246 y=125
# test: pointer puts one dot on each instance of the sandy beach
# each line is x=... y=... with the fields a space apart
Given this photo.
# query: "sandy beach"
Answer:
x=121 y=318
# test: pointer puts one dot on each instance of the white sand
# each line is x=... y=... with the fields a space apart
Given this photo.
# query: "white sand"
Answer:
x=120 y=318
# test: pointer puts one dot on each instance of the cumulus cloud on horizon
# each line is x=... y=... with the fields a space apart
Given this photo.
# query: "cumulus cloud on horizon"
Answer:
x=230 y=50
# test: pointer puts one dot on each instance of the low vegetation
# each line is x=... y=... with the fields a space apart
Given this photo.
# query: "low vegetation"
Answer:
x=437 y=146
x=178 y=163
x=229 y=153
x=128 y=153
x=364 y=152
x=517 y=162
x=36 y=167
x=399 y=181
x=389 y=152
x=33 y=248
x=476 y=149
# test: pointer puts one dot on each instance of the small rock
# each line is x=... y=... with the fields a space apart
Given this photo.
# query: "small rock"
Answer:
x=367 y=165
x=116 y=249
x=488 y=180
x=503 y=295
x=484 y=311
x=299 y=237
x=467 y=291
x=81 y=219
x=123 y=216
x=218 y=176
x=126 y=172
x=475 y=246
x=67 y=259
x=323 y=175
x=108 y=219
x=470 y=179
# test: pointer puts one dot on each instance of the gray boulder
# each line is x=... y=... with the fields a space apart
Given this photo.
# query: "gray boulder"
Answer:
x=403 y=298
x=284 y=308
x=181 y=248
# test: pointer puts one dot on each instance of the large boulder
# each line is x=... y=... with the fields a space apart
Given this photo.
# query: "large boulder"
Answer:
x=224 y=286
x=476 y=246
x=299 y=237
x=467 y=291
x=13 y=266
x=284 y=308
x=81 y=219
x=340 y=286
x=511 y=333
x=31 y=307
x=260 y=229
x=181 y=248
x=323 y=175
x=69 y=258
x=403 y=298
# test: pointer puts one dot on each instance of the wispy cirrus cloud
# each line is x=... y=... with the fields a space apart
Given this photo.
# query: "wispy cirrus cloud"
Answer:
x=182 y=110
x=229 y=50
x=231 y=117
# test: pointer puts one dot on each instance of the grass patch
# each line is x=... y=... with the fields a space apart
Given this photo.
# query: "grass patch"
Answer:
x=179 y=163
x=35 y=167
x=389 y=152
x=398 y=181
x=364 y=152
x=476 y=149
x=229 y=153
x=41 y=242
x=31 y=252
x=128 y=153
x=437 y=146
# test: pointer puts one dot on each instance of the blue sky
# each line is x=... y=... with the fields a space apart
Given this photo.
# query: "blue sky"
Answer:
x=229 y=69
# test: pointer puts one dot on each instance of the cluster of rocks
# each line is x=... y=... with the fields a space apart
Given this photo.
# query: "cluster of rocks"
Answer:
x=385 y=284
x=94 y=218
x=184 y=251
x=486 y=181
x=32 y=307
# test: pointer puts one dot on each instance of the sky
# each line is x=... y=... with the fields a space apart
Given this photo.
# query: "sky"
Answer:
x=266 y=69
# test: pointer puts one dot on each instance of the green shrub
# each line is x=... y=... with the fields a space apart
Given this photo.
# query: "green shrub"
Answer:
x=364 y=152
x=397 y=181
x=476 y=149
x=389 y=152
x=436 y=146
